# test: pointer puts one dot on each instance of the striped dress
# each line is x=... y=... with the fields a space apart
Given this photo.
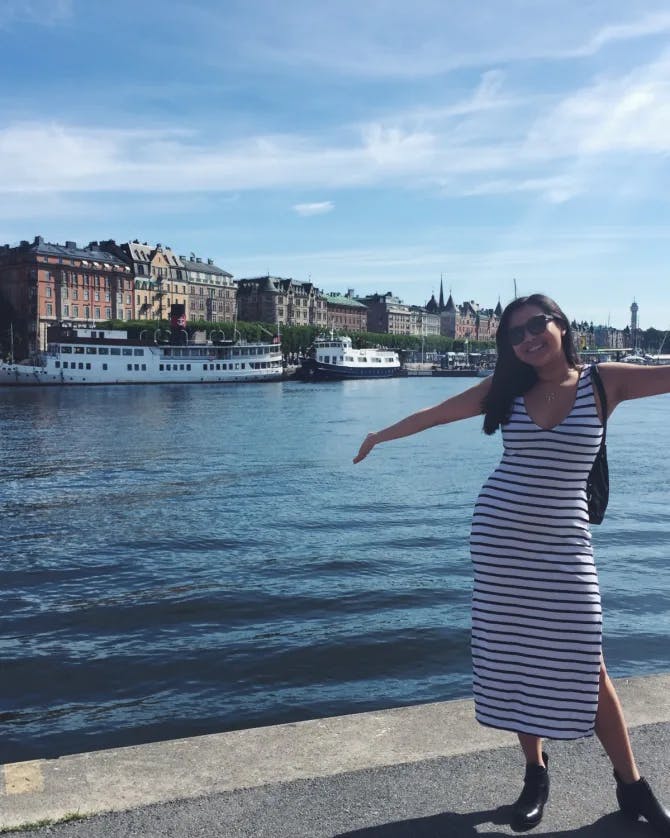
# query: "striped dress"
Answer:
x=536 y=616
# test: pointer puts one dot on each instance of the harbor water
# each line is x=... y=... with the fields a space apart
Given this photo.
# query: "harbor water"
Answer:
x=184 y=559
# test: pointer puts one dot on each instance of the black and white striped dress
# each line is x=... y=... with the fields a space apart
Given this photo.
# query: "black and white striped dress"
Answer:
x=536 y=615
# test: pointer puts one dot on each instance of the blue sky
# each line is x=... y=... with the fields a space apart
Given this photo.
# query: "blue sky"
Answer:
x=374 y=145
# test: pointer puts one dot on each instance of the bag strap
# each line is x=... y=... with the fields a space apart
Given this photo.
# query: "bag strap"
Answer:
x=598 y=382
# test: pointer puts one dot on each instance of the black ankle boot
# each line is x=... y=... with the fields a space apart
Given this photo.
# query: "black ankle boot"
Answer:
x=528 y=810
x=637 y=799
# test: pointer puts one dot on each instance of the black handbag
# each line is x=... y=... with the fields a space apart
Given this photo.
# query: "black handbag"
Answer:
x=598 y=483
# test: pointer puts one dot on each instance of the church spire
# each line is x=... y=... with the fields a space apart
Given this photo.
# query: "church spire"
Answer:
x=441 y=303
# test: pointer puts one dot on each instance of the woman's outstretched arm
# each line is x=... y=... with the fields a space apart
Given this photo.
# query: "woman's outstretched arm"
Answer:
x=629 y=381
x=462 y=406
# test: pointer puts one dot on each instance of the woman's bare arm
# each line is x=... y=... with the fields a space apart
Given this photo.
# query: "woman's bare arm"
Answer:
x=629 y=381
x=462 y=406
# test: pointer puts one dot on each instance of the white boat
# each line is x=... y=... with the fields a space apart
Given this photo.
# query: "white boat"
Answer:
x=335 y=358
x=107 y=356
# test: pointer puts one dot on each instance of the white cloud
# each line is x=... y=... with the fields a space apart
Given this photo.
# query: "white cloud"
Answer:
x=488 y=143
x=319 y=208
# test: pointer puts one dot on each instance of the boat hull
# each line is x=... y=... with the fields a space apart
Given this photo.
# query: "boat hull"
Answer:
x=339 y=372
x=18 y=375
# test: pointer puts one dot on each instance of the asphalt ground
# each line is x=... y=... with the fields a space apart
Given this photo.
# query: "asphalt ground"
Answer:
x=428 y=770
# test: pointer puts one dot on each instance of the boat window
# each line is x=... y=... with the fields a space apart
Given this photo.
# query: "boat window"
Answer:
x=127 y=351
x=102 y=350
x=326 y=359
x=144 y=367
x=67 y=350
x=137 y=367
x=188 y=366
x=81 y=366
x=237 y=366
x=104 y=366
x=130 y=367
x=79 y=350
x=114 y=351
x=64 y=365
x=161 y=367
x=88 y=366
x=243 y=366
x=218 y=366
x=91 y=350
x=138 y=351
x=57 y=365
x=205 y=366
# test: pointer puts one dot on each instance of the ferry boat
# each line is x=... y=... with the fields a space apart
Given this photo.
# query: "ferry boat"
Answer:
x=107 y=356
x=335 y=358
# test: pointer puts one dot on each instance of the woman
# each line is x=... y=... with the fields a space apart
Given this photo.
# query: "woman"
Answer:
x=536 y=620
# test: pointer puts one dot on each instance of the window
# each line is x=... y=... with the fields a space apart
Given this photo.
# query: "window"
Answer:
x=79 y=350
x=88 y=366
x=57 y=365
x=127 y=351
x=48 y=291
x=66 y=310
x=91 y=350
x=81 y=366
x=86 y=294
x=114 y=350
x=66 y=349
x=108 y=314
x=138 y=352
x=96 y=312
x=65 y=365
x=104 y=366
x=87 y=312
x=50 y=310
x=96 y=296
x=103 y=350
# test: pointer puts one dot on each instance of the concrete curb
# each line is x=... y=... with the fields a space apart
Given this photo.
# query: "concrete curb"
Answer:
x=127 y=778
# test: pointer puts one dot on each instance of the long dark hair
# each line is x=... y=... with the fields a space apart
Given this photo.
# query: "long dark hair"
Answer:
x=511 y=377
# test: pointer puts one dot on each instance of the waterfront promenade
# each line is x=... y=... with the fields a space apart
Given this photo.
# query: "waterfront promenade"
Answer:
x=426 y=770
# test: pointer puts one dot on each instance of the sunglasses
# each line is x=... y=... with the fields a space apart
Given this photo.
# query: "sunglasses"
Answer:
x=534 y=326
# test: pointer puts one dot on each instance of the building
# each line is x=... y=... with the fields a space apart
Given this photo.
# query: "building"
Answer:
x=159 y=277
x=212 y=293
x=423 y=322
x=387 y=314
x=272 y=299
x=344 y=313
x=42 y=283
x=607 y=337
x=468 y=321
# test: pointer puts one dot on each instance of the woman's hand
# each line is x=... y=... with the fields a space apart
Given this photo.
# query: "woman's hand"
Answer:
x=368 y=444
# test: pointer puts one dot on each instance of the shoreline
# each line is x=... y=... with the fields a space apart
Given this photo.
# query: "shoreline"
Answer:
x=123 y=779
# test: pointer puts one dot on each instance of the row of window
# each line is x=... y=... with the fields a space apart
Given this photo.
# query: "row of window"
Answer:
x=101 y=350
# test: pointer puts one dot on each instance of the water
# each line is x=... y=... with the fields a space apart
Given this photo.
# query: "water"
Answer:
x=186 y=559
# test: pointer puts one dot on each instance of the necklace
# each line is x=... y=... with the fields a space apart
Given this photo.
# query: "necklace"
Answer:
x=549 y=397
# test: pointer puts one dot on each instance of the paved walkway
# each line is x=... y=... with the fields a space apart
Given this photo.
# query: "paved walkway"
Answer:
x=428 y=770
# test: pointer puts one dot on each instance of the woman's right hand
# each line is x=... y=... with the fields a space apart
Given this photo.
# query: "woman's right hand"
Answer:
x=368 y=444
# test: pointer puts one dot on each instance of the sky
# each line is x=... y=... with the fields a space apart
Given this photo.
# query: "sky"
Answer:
x=372 y=145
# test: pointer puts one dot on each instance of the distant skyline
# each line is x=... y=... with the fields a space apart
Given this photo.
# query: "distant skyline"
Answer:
x=374 y=146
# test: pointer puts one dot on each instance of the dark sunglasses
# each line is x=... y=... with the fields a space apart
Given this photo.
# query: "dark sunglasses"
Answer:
x=534 y=326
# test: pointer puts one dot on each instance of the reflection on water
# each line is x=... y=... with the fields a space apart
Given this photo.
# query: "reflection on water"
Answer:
x=184 y=559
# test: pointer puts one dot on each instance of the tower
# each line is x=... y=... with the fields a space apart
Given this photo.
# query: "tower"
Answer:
x=633 y=323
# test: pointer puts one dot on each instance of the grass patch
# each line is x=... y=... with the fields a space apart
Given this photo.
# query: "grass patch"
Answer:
x=26 y=827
